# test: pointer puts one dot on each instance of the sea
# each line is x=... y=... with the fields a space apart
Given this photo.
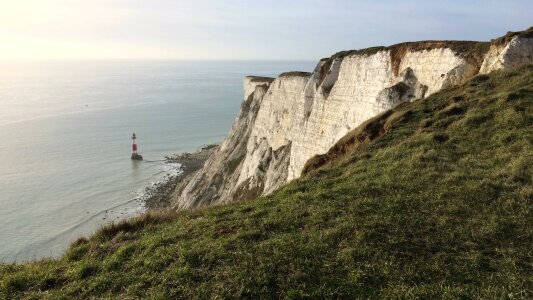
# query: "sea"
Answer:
x=65 y=128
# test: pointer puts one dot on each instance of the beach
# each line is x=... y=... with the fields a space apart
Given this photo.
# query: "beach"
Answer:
x=160 y=195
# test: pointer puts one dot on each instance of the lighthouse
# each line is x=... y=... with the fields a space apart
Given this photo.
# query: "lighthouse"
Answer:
x=134 y=154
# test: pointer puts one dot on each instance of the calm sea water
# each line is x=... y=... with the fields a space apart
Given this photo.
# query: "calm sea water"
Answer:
x=65 y=130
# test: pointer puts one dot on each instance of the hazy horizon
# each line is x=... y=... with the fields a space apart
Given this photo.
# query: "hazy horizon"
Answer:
x=37 y=30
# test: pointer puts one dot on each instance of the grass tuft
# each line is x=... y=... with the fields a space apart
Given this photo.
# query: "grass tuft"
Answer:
x=137 y=223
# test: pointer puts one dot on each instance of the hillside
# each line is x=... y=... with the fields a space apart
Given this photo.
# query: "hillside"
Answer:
x=431 y=199
x=285 y=121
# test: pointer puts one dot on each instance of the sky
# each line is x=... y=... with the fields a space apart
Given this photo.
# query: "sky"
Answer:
x=238 y=29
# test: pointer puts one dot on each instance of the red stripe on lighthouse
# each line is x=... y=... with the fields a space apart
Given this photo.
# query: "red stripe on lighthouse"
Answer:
x=134 y=147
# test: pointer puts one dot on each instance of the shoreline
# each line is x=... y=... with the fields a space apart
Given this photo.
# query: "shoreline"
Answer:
x=155 y=198
x=159 y=196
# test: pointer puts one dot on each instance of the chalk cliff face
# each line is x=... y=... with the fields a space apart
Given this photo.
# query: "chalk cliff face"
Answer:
x=216 y=181
x=285 y=121
x=511 y=50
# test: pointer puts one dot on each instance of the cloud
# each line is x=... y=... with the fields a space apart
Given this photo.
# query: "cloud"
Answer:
x=272 y=29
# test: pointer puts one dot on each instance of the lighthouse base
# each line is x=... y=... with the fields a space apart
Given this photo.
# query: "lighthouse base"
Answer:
x=135 y=156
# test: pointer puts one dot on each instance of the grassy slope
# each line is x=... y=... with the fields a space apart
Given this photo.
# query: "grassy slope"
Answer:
x=439 y=205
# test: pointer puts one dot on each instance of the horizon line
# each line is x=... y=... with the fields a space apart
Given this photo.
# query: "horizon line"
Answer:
x=148 y=59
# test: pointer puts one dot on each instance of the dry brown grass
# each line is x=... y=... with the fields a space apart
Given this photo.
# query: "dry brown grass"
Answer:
x=137 y=223
x=528 y=33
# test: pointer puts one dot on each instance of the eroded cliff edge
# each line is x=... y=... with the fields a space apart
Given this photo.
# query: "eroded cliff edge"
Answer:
x=285 y=121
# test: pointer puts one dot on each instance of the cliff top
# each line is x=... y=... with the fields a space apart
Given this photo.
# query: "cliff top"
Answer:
x=295 y=73
x=472 y=51
x=260 y=79
x=528 y=33
x=428 y=199
x=458 y=46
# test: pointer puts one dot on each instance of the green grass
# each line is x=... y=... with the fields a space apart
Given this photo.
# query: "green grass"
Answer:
x=437 y=205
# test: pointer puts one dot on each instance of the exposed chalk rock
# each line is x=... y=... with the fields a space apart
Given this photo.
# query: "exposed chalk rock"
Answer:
x=251 y=82
x=215 y=182
x=275 y=120
x=406 y=89
x=286 y=121
x=517 y=52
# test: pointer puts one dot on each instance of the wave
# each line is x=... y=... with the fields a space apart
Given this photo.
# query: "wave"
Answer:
x=154 y=161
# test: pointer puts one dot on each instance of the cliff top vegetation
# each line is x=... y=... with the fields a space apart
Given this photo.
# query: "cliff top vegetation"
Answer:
x=260 y=79
x=295 y=73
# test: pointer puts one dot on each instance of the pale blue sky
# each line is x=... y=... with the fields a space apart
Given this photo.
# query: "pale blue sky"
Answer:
x=238 y=29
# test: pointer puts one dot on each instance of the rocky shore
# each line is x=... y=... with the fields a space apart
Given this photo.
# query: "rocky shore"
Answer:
x=159 y=196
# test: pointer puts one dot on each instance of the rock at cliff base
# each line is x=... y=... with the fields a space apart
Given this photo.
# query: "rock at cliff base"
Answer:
x=136 y=157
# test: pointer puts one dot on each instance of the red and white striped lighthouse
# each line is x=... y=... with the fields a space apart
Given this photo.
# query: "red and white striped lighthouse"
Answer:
x=134 y=154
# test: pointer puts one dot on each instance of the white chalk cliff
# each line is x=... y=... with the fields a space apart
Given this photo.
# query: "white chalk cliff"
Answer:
x=285 y=121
